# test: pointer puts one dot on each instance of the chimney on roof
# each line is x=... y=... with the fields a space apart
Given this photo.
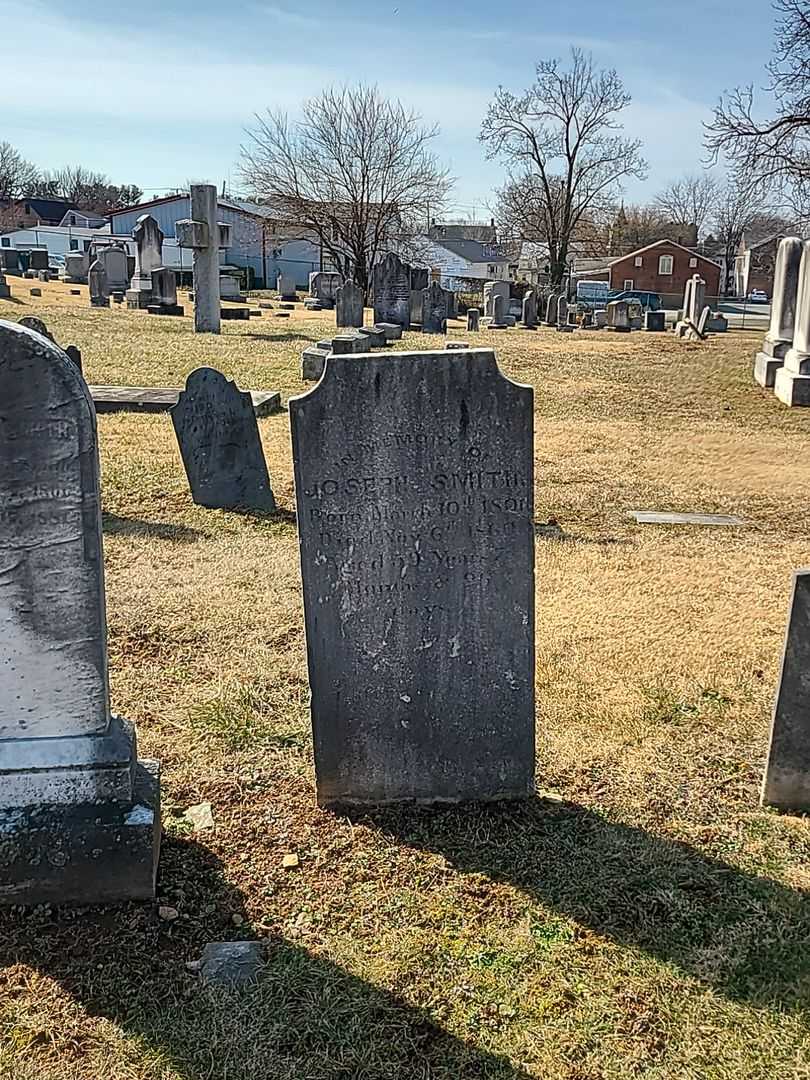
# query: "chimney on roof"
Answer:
x=492 y=223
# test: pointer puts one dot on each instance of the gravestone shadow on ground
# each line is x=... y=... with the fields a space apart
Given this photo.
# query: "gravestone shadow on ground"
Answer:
x=162 y=530
x=305 y=1018
x=743 y=935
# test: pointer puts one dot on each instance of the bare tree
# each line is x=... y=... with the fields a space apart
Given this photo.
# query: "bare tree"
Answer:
x=689 y=201
x=775 y=152
x=738 y=206
x=356 y=172
x=86 y=189
x=559 y=141
x=17 y=176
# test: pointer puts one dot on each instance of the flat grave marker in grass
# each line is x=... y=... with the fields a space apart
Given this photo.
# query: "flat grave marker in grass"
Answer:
x=414 y=491
x=667 y=517
x=70 y=784
x=219 y=442
x=154 y=399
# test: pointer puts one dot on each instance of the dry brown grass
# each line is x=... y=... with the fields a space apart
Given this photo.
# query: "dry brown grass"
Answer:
x=645 y=920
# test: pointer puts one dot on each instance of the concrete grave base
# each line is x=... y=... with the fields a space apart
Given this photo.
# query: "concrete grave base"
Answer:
x=313 y=361
x=235 y=313
x=90 y=853
x=139 y=299
x=792 y=389
x=392 y=331
x=375 y=336
x=165 y=309
x=765 y=369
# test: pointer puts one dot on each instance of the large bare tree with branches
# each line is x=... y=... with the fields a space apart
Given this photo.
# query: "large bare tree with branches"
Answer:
x=17 y=176
x=774 y=152
x=560 y=140
x=356 y=171
x=692 y=200
x=86 y=189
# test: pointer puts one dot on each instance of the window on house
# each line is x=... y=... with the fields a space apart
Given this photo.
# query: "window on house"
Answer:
x=490 y=269
x=628 y=284
x=692 y=264
x=638 y=261
x=5 y=241
x=74 y=245
x=665 y=264
x=86 y=245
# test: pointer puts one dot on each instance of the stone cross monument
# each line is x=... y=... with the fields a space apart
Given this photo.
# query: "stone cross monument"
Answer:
x=205 y=237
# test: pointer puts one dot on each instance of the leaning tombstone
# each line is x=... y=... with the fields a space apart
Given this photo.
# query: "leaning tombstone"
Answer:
x=787 y=773
x=79 y=814
x=783 y=312
x=99 y=289
x=349 y=305
x=473 y=316
x=418 y=576
x=434 y=309
x=792 y=382
x=391 y=289
x=218 y=436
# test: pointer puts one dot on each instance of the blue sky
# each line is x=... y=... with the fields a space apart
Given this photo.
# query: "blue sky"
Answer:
x=157 y=92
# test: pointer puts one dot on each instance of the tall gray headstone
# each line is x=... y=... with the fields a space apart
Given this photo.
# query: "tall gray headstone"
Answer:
x=498 y=310
x=391 y=288
x=787 y=773
x=529 y=317
x=70 y=782
x=473 y=316
x=414 y=491
x=349 y=305
x=285 y=285
x=434 y=310
x=218 y=435
x=148 y=237
x=97 y=281
x=792 y=383
x=783 y=311
x=205 y=236
x=491 y=290
x=164 y=293
x=551 y=310
x=114 y=261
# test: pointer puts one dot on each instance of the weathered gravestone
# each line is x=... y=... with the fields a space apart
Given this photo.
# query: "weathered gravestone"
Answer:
x=99 y=289
x=434 y=309
x=219 y=441
x=492 y=289
x=551 y=310
x=148 y=237
x=783 y=312
x=164 y=293
x=286 y=287
x=473 y=316
x=324 y=285
x=79 y=815
x=349 y=305
x=114 y=261
x=618 y=316
x=5 y=289
x=529 y=310
x=787 y=773
x=391 y=288
x=414 y=490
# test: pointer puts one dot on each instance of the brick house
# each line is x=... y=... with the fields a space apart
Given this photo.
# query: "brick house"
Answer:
x=664 y=268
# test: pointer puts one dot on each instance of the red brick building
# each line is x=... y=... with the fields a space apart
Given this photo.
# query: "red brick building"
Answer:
x=664 y=268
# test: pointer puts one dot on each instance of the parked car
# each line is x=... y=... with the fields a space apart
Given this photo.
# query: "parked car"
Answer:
x=649 y=300
x=757 y=296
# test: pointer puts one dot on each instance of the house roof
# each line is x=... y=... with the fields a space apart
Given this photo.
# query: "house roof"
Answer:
x=658 y=243
x=473 y=251
x=242 y=205
x=44 y=208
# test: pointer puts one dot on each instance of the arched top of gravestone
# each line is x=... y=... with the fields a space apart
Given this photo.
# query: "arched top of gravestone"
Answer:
x=409 y=373
x=146 y=227
x=31 y=322
x=24 y=348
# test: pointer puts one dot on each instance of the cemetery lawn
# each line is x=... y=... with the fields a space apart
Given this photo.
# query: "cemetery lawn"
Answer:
x=641 y=917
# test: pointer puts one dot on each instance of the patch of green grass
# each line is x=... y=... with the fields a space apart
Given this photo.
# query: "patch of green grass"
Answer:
x=244 y=715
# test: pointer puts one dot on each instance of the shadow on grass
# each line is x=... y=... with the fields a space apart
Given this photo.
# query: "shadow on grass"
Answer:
x=288 y=336
x=305 y=1019
x=125 y=526
x=742 y=935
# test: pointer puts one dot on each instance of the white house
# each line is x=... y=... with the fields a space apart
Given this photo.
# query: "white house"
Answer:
x=459 y=259
x=60 y=239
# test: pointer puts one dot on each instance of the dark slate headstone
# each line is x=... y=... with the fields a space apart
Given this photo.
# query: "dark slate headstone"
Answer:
x=473 y=316
x=420 y=278
x=434 y=310
x=391 y=286
x=37 y=325
x=414 y=489
x=220 y=445
x=73 y=353
x=787 y=774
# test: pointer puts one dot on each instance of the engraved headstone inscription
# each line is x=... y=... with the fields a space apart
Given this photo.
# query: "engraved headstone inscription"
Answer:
x=219 y=441
x=414 y=490
x=69 y=777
